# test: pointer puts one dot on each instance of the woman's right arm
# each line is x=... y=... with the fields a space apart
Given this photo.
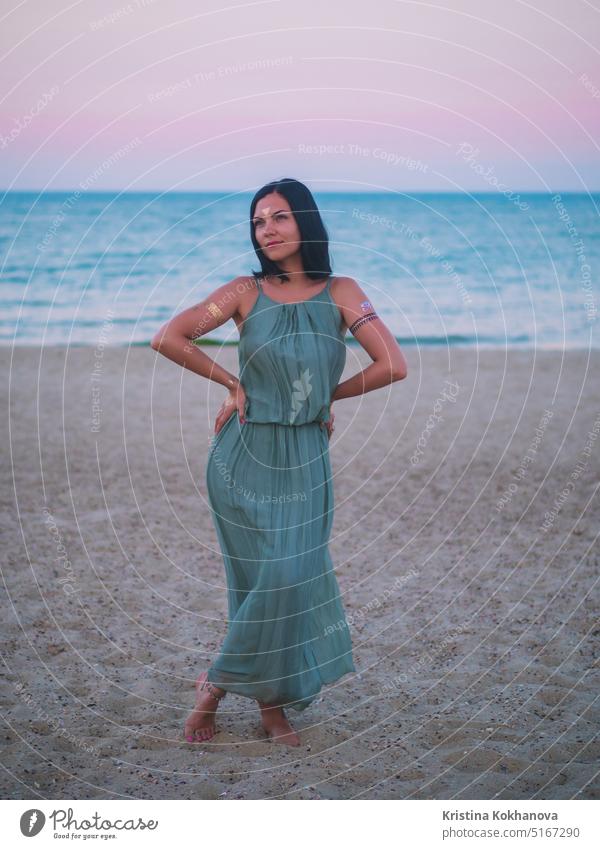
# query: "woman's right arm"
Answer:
x=174 y=339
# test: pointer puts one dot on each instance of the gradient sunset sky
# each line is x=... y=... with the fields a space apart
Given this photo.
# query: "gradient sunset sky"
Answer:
x=349 y=96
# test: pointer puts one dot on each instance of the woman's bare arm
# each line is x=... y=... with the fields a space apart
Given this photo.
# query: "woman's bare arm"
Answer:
x=375 y=337
x=174 y=339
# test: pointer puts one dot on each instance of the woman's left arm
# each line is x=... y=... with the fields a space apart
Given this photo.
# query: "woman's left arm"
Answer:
x=375 y=337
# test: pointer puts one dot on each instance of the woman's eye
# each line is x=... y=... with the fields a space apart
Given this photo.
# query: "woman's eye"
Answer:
x=280 y=217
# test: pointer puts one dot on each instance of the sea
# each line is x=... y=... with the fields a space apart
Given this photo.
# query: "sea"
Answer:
x=478 y=270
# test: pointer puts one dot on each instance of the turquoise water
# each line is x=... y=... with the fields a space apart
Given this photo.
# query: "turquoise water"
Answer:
x=84 y=268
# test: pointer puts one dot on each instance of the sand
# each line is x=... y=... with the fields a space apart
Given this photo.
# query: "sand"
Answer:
x=465 y=544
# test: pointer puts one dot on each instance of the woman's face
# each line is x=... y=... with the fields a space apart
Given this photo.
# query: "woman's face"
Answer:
x=275 y=227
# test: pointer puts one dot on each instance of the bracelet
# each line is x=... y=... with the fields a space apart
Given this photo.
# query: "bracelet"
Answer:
x=232 y=382
x=362 y=320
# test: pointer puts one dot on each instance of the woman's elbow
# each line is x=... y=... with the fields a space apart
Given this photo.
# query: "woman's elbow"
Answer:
x=393 y=371
x=155 y=342
x=399 y=368
x=159 y=339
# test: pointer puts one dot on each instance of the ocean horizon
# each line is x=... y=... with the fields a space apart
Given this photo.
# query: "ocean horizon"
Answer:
x=491 y=269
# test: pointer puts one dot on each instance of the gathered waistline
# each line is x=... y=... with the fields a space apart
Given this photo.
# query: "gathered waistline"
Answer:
x=286 y=424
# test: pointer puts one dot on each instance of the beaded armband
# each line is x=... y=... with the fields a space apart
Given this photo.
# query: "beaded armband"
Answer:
x=362 y=320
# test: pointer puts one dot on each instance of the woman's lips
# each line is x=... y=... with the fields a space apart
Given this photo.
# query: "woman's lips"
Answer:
x=272 y=244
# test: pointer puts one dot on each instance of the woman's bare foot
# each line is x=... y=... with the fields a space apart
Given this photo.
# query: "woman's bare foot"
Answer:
x=276 y=725
x=200 y=724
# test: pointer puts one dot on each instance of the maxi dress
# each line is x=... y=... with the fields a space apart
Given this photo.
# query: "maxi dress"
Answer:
x=270 y=492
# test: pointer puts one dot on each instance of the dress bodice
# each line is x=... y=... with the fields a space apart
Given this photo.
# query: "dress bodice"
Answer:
x=291 y=357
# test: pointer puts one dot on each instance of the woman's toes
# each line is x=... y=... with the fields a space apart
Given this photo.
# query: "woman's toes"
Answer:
x=203 y=734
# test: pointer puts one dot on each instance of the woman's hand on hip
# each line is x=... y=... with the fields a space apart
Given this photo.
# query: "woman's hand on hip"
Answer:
x=235 y=401
x=329 y=425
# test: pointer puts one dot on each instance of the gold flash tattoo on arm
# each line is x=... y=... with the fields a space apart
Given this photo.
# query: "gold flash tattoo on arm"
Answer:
x=215 y=310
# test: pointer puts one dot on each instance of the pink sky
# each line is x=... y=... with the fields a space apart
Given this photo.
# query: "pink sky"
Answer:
x=353 y=96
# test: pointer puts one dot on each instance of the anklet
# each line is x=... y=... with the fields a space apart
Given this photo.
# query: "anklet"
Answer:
x=208 y=685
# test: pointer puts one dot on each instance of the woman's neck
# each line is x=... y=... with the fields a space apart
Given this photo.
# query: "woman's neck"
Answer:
x=295 y=283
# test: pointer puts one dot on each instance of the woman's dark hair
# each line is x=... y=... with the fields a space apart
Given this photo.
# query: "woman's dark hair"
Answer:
x=314 y=247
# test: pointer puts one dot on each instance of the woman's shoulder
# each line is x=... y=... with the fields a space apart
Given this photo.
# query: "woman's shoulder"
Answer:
x=244 y=283
x=339 y=288
x=342 y=285
x=341 y=281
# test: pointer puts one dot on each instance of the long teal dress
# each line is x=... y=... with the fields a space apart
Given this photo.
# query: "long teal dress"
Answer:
x=270 y=491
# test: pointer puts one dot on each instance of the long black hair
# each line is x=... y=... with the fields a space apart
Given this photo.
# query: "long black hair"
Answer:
x=314 y=247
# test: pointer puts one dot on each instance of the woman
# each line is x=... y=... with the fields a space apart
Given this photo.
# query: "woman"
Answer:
x=268 y=474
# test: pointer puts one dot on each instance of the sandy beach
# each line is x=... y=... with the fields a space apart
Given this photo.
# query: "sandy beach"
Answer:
x=465 y=545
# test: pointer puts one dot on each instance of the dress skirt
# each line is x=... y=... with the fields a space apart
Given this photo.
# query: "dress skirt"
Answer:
x=270 y=491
